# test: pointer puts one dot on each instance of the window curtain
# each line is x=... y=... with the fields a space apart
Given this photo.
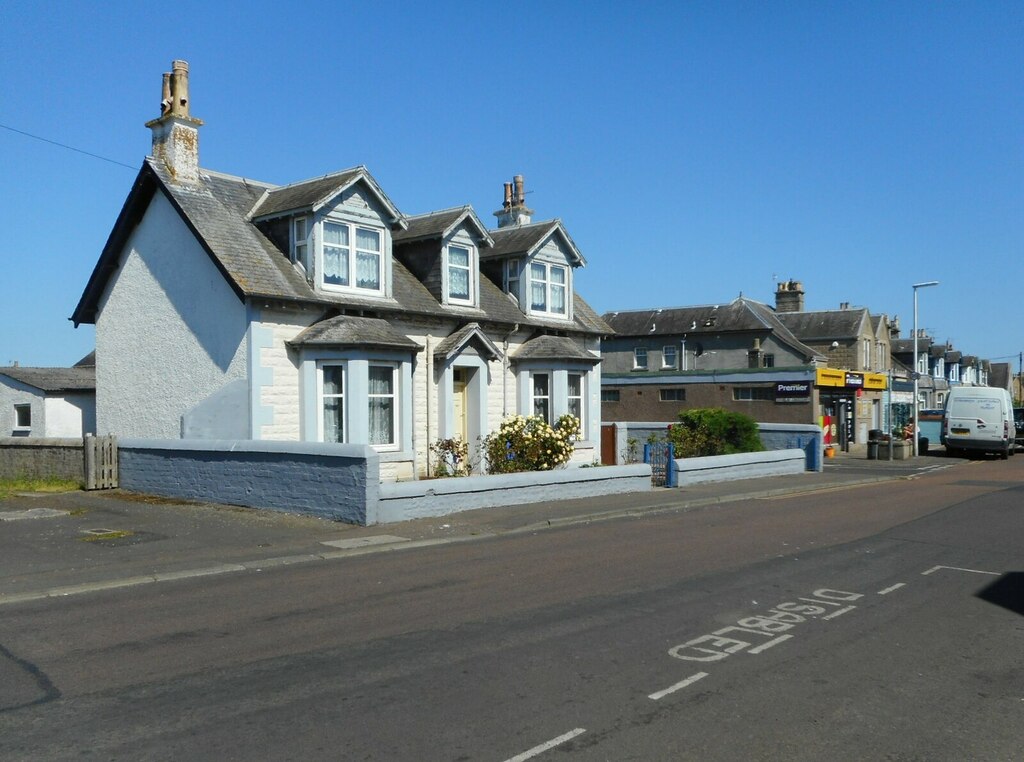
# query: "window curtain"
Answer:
x=367 y=259
x=334 y=408
x=541 y=399
x=382 y=405
x=336 y=254
x=538 y=287
x=558 y=290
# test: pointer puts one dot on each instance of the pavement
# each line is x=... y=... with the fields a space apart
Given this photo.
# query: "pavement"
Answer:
x=55 y=545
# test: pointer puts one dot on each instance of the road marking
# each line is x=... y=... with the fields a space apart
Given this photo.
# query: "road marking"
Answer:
x=839 y=612
x=678 y=686
x=545 y=746
x=957 y=568
x=888 y=590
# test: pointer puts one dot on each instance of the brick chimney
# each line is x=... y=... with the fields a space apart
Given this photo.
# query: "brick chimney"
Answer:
x=175 y=131
x=513 y=210
x=789 y=297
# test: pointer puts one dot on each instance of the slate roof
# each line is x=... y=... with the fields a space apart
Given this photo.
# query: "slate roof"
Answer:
x=524 y=240
x=454 y=343
x=739 y=315
x=439 y=224
x=826 y=325
x=554 y=348
x=994 y=367
x=314 y=194
x=217 y=210
x=51 y=380
x=351 y=331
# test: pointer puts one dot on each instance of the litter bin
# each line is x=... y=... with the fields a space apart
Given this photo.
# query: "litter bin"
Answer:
x=874 y=438
x=922 y=445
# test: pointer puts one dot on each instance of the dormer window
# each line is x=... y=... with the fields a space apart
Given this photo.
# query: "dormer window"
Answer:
x=512 y=269
x=300 y=241
x=548 y=283
x=460 y=274
x=352 y=256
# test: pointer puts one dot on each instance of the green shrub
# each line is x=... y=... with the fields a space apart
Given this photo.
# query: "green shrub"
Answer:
x=714 y=431
x=451 y=457
x=530 y=444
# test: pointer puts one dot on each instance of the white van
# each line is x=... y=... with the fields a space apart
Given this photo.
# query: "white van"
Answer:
x=978 y=418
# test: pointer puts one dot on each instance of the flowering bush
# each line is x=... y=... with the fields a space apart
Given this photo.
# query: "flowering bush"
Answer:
x=451 y=457
x=530 y=444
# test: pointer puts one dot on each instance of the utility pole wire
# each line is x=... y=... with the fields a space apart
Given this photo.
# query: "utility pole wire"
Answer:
x=69 y=148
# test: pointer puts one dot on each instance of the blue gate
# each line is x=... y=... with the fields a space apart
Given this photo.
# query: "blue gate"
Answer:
x=660 y=455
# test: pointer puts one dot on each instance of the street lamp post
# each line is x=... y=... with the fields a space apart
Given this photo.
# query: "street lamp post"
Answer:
x=914 y=428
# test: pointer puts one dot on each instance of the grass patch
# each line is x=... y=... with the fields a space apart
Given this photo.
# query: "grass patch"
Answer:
x=10 y=487
x=113 y=535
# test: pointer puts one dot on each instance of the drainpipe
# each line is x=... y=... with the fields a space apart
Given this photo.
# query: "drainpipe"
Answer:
x=505 y=368
x=431 y=394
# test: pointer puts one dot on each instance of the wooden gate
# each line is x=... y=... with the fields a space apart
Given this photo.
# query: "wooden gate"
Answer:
x=100 y=456
x=660 y=455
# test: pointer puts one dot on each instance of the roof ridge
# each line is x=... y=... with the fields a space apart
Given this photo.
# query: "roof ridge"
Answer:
x=462 y=208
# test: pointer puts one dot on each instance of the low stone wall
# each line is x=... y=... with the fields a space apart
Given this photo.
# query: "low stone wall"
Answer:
x=342 y=482
x=41 y=458
x=790 y=436
x=400 y=501
x=747 y=465
x=331 y=481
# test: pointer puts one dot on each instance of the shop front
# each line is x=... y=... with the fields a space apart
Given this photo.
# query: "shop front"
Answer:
x=851 y=405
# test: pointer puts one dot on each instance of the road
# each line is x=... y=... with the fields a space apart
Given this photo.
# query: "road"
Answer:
x=881 y=622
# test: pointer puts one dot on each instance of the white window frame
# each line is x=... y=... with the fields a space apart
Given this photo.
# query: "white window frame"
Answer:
x=300 y=241
x=549 y=287
x=581 y=398
x=320 y=396
x=534 y=397
x=395 y=404
x=469 y=268
x=353 y=257
x=669 y=349
x=639 y=352
x=512 y=274
x=18 y=409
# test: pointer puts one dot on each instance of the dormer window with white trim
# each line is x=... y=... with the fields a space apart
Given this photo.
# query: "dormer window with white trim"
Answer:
x=548 y=285
x=353 y=257
x=512 y=270
x=460 y=275
x=300 y=241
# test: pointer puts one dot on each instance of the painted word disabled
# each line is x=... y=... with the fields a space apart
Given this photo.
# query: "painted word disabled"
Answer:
x=768 y=629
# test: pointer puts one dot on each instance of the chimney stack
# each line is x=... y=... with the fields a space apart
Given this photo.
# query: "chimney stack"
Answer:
x=175 y=131
x=513 y=210
x=789 y=297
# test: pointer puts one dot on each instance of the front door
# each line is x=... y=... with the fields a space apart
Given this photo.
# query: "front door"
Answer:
x=460 y=404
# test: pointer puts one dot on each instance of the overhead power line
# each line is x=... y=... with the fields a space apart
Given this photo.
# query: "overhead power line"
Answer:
x=69 y=148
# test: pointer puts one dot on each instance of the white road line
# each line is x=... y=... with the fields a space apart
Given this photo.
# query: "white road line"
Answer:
x=678 y=686
x=545 y=746
x=839 y=612
x=957 y=568
x=888 y=590
x=769 y=644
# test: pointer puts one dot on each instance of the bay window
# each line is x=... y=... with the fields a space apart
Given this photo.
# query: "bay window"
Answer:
x=574 y=397
x=540 y=396
x=332 y=403
x=381 y=398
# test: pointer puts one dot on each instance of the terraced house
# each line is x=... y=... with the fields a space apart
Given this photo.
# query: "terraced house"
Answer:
x=230 y=308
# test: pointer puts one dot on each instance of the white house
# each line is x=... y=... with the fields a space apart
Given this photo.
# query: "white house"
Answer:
x=230 y=308
x=48 y=402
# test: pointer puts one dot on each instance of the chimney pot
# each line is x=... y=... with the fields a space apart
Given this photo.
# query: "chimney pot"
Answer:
x=520 y=197
x=508 y=196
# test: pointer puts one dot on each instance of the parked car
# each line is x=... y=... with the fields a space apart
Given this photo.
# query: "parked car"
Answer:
x=1018 y=419
x=979 y=419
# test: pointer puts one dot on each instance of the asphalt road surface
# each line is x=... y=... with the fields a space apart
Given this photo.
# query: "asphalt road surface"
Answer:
x=880 y=622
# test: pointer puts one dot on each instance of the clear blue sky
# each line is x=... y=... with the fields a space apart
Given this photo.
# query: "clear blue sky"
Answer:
x=694 y=150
